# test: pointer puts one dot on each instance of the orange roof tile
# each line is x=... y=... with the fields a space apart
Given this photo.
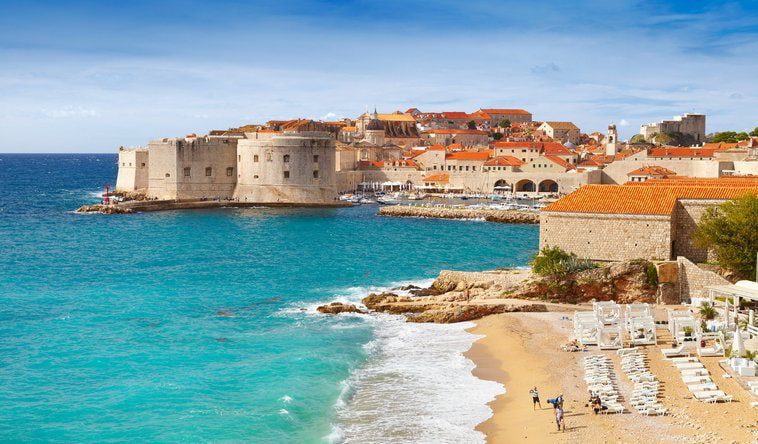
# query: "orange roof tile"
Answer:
x=680 y=152
x=647 y=200
x=722 y=182
x=504 y=111
x=503 y=161
x=468 y=155
x=454 y=115
x=562 y=125
x=437 y=178
x=349 y=129
x=561 y=162
x=436 y=148
x=652 y=170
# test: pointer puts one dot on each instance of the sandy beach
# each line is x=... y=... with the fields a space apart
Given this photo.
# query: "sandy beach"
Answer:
x=521 y=350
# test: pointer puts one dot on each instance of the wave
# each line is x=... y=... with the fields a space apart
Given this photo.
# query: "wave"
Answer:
x=416 y=387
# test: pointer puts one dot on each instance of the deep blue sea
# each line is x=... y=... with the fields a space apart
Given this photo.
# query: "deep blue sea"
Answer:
x=198 y=326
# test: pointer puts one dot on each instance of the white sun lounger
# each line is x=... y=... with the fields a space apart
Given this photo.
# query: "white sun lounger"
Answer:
x=689 y=366
x=708 y=386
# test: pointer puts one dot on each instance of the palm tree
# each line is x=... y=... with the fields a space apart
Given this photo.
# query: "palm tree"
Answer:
x=707 y=311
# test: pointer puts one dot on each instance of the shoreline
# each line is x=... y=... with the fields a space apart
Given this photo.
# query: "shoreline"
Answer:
x=521 y=350
x=500 y=216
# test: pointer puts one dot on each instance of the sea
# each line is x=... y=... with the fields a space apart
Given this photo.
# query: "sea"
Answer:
x=200 y=325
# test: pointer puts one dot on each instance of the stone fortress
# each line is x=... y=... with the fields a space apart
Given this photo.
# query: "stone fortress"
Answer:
x=294 y=164
x=691 y=124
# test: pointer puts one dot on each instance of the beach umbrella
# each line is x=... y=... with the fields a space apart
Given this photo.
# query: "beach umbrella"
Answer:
x=738 y=346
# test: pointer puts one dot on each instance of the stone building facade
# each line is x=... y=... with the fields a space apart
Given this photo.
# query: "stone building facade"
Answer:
x=132 y=169
x=654 y=222
x=296 y=165
x=692 y=124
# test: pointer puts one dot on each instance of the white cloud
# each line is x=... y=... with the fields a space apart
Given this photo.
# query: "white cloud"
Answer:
x=624 y=122
x=331 y=116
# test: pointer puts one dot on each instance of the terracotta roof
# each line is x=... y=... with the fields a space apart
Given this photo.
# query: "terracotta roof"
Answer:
x=437 y=178
x=722 y=182
x=369 y=164
x=651 y=200
x=680 y=152
x=455 y=146
x=436 y=148
x=555 y=149
x=454 y=115
x=468 y=155
x=594 y=161
x=653 y=170
x=504 y=111
x=503 y=161
x=455 y=131
x=393 y=117
x=562 y=125
x=561 y=162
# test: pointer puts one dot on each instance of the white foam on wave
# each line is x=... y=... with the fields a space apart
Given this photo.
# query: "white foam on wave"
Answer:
x=350 y=295
x=416 y=387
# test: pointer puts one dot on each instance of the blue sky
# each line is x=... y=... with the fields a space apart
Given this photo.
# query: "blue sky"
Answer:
x=88 y=76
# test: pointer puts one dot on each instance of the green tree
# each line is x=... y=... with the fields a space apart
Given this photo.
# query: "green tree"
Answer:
x=471 y=125
x=497 y=136
x=754 y=133
x=707 y=311
x=742 y=136
x=553 y=261
x=505 y=123
x=725 y=137
x=731 y=231
x=663 y=139
x=637 y=139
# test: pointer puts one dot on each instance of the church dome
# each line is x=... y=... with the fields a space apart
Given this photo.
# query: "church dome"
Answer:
x=568 y=144
x=375 y=124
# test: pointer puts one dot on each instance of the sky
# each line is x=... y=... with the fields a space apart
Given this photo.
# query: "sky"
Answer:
x=90 y=76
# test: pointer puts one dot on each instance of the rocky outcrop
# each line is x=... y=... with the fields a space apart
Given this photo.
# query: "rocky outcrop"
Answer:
x=130 y=195
x=104 y=209
x=623 y=282
x=502 y=216
x=339 y=307
x=462 y=313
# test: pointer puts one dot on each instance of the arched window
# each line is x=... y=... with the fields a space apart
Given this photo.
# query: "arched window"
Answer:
x=286 y=158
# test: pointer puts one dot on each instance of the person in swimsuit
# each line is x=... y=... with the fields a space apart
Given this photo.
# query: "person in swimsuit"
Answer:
x=535 y=398
x=559 y=421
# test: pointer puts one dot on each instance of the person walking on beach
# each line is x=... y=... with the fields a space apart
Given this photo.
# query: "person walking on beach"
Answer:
x=535 y=398
x=559 y=421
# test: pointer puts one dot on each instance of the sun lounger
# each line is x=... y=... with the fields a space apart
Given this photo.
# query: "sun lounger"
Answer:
x=702 y=387
x=679 y=351
x=680 y=360
x=696 y=379
x=689 y=366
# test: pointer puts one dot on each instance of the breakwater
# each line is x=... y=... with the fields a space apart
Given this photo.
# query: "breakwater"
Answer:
x=502 y=216
x=135 y=206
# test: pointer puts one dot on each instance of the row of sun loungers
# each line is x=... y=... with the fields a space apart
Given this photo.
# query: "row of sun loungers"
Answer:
x=601 y=380
x=646 y=385
x=698 y=380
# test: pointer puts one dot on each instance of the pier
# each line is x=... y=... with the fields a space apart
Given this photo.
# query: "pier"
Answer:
x=447 y=212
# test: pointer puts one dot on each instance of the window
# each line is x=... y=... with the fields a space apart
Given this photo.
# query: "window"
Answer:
x=229 y=171
x=473 y=168
x=130 y=164
x=168 y=175
x=143 y=164
x=286 y=174
x=286 y=158
x=255 y=177
x=255 y=158
x=187 y=172
x=315 y=158
x=315 y=174
x=208 y=171
x=239 y=158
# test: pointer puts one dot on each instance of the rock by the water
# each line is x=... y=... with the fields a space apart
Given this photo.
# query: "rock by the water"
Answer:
x=339 y=307
x=104 y=209
x=463 y=313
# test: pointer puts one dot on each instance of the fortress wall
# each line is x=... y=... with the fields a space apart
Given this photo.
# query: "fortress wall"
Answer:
x=608 y=237
x=133 y=168
x=288 y=167
x=616 y=172
x=179 y=168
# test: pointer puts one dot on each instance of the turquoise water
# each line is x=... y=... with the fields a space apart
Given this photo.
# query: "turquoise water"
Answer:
x=187 y=326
